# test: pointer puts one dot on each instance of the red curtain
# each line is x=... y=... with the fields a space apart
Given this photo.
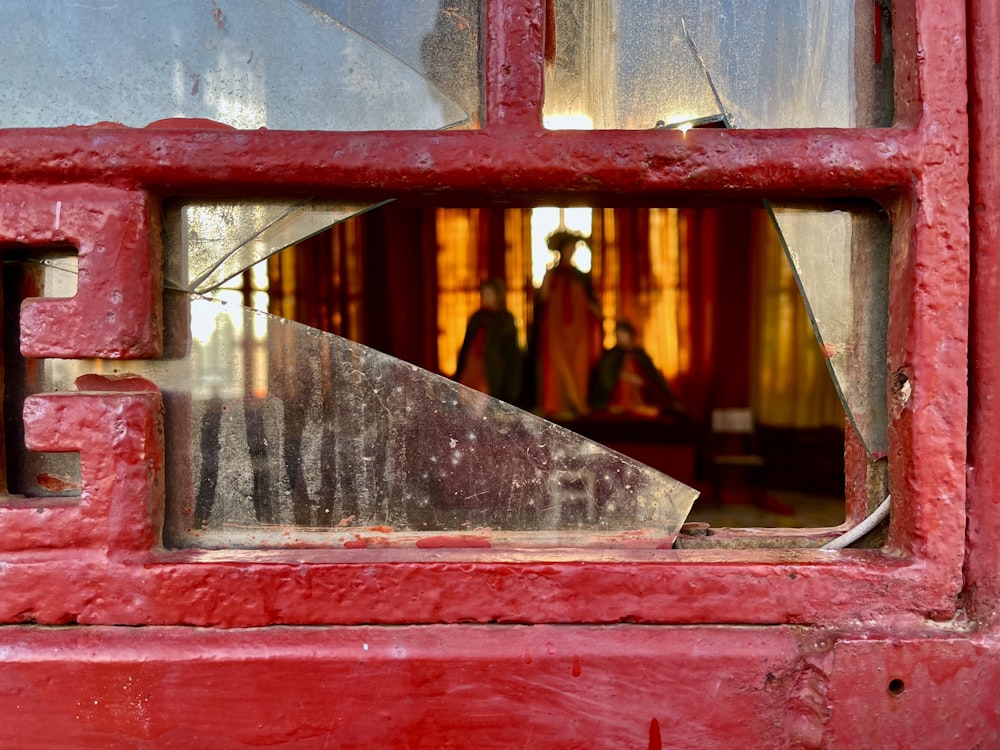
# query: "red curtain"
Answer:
x=375 y=280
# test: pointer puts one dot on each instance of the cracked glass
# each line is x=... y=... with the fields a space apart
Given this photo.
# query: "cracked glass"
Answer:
x=639 y=64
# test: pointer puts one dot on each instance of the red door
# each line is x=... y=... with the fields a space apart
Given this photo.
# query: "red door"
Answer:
x=123 y=631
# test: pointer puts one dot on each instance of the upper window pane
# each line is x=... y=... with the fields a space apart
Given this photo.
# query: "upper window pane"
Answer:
x=282 y=65
x=779 y=63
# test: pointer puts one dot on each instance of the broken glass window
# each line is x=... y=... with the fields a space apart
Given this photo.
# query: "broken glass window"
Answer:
x=281 y=435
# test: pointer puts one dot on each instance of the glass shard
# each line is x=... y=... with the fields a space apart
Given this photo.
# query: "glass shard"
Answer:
x=279 y=434
x=211 y=242
x=841 y=264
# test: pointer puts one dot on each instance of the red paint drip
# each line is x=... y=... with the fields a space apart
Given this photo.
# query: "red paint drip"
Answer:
x=437 y=542
x=188 y=123
x=576 y=665
x=355 y=544
x=655 y=741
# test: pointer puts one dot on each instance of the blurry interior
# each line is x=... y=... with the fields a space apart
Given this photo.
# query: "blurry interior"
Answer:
x=709 y=292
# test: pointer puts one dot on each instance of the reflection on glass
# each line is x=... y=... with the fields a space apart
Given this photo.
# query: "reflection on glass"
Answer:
x=441 y=40
x=776 y=63
x=254 y=64
x=280 y=434
x=841 y=264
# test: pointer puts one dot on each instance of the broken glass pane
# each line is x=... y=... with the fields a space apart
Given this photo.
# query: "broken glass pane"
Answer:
x=774 y=64
x=249 y=65
x=841 y=264
x=279 y=434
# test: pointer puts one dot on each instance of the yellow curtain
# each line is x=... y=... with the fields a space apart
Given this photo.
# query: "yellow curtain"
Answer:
x=790 y=385
x=517 y=265
x=606 y=269
x=458 y=275
x=664 y=299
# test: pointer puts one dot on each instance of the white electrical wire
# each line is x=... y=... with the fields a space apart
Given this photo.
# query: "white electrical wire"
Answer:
x=851 y=536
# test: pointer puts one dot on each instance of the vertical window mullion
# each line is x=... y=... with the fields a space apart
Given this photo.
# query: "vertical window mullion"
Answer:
x=514 y=63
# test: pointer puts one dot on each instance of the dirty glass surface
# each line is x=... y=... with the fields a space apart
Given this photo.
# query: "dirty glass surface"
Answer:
x=841 y=264
x=279 y=434
x=281 y=64
x=777 y=63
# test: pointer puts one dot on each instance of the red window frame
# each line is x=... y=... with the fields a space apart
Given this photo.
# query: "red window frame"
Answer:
x=917 y=169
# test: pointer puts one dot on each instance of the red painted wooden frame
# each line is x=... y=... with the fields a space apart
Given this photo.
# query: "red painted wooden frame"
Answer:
x=848 y=659
x=918 y=169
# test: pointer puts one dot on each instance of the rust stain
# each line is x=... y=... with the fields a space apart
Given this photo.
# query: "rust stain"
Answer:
x=220 y=19
x=55 y=483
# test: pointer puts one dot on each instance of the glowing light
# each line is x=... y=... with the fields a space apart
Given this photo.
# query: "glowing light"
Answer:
x=568 y=122
x=544 y=221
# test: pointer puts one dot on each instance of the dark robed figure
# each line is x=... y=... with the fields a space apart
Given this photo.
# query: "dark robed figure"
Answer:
x=490 y=358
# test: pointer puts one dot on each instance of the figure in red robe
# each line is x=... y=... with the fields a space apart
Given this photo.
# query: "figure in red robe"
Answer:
x=490 y=358
x=568 y=320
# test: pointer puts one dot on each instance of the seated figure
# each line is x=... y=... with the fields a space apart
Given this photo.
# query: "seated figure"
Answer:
x=625 y=380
